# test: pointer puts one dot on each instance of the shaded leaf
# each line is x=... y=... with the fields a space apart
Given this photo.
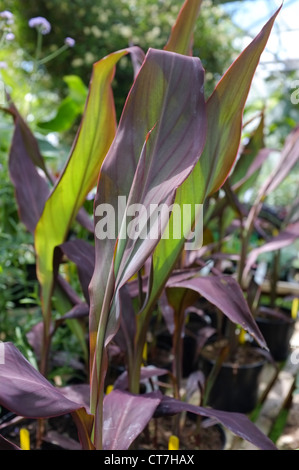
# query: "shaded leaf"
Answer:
x=31 y=188
x=64 y=442
x=238 y=423
x=283 y=239
x=124 y=338
x=82 y=254
x=26 y=392
x=226 y=294
x=288 y=158
x=122 y=382
x=78 y=311
x=247 y=158
x=195 y=383
x=6 y=445
x=78 y=393
x=30 y=143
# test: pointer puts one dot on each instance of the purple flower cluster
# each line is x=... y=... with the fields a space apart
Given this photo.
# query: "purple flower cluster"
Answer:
x=8 y=19
x=69 y=42
x=41 y=24
x=9 y=36
x=7 y=15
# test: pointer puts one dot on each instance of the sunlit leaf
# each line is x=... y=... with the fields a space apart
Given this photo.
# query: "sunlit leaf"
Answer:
x=181 y=37
x=80 y=174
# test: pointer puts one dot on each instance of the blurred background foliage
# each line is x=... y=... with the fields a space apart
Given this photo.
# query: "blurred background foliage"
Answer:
x=100 y=27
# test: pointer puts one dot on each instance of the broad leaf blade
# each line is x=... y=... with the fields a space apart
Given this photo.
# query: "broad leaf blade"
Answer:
x=81 y=253
x=287 y=237
x=31 y=147
x=26 y=392
x=123 y=418
x=31 y=188
x=226 y=294
x=238 y=423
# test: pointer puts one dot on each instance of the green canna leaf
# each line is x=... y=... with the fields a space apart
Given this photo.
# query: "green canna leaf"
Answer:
x=180 y=40
x=80 y=174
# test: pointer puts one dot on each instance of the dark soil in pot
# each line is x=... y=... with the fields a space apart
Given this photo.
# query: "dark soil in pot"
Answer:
x=202 y=437
x=61 y=434
x=235 y=387
x=277 y=327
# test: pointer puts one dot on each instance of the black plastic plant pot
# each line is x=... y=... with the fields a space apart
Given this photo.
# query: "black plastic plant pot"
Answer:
x=235 y=387
x=277 y=332
x=164 y=343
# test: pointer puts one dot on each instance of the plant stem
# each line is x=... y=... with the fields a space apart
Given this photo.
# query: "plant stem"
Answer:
x=243 y=254
x=274 y=277
x=38 y=49
x=99 y=363
x=140 y=339
x=54 y=54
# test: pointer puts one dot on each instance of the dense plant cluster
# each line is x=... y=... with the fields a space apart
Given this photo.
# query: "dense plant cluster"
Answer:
x=115 y=273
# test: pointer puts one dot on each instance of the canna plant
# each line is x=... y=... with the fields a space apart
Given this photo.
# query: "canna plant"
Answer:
x=171 y=145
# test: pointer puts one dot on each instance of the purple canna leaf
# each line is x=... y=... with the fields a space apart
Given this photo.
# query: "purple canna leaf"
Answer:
x=159 y=140
x=146 y=373
x=123 y=420
x=29 y=141
x=31 y=188
x=181 y=37
x=82 y=254
x=26 y=392
x=238 y=423
x=226 y=294
x=6 y=445
x=283 y=239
